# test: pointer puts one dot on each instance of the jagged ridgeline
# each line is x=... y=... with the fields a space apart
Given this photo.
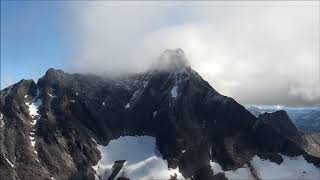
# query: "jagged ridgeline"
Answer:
x=166 y=123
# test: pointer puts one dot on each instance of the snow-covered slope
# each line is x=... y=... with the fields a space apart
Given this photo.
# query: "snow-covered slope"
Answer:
x=143 y=160
x=291 y=168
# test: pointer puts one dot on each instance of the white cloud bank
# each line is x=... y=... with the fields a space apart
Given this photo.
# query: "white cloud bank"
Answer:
x=256 y=52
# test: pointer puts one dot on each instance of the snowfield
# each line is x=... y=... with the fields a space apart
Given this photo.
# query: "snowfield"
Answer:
x=241 y=173
x=143 y=160
x=292 y=168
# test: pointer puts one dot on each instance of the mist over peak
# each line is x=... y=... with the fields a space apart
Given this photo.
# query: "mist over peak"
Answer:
x=172 y=60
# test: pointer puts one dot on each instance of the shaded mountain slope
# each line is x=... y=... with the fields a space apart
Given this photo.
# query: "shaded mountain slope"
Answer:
x=48 y=126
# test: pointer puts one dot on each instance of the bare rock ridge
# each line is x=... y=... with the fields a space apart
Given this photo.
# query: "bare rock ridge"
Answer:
x=171 y=103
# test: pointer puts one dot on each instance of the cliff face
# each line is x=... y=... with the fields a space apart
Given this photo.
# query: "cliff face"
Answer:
x=47 y=127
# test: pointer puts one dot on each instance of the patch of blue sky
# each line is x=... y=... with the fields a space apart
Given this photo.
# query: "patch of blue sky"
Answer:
x=34 y=37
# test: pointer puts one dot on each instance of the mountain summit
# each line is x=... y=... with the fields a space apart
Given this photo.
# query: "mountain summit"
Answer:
x=74 y=126
x=172 y=60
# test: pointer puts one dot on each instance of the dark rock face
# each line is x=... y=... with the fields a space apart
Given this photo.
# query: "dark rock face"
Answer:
x=116 y=168
x=307 y=120
x=175 y=105
x=275 y=132
x=281 y=122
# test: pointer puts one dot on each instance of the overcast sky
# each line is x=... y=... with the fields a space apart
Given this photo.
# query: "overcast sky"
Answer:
x=258 y=52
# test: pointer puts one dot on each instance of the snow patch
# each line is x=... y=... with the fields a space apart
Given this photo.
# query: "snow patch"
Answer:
x=154 y=114
x=143 y=161
x=72 y=101
x=33 y=112
x=134 y=97
x=241 y=173
x=183 y=151
x=103 y=104
x=51 y=95
x=1 y=120
x=216 y=168
x=33 y=108
x=290 y=168
x=174 y=91
x=12 y=165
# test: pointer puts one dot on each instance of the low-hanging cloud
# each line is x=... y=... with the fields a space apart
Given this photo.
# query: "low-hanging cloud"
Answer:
x=256 y=52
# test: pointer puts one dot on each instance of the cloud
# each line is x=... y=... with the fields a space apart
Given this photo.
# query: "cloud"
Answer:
x=256 y=52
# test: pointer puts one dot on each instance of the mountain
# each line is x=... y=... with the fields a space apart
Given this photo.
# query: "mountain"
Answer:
x=166 y=123
x=307 y=119
x=281 y=122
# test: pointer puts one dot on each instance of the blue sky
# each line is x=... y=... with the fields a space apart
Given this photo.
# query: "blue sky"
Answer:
x=248 y=50
x=32 y=39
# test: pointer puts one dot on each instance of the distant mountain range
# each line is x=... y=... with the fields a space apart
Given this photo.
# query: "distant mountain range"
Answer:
x=307 y=119
x=165 y=123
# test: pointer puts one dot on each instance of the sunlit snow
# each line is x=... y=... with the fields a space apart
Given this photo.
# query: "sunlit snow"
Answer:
x=143 y=161
x=51 y=95
x=241 y=173
x=290 y=168
x=127 y=106
x=33 y=112
x=94 y=140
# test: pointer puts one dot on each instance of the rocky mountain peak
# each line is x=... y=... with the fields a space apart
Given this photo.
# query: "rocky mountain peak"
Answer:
x=56 y=128
x=283 y=125
x=172 y=60
x=280 y=120
x=53 y=76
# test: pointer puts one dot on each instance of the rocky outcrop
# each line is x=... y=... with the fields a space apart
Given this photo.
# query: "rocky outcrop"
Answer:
x=281 y=122
x=313 y=146
x=275 y=132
